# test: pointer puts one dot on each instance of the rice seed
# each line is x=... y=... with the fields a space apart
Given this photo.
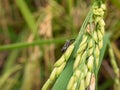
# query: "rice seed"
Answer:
x=102 y=23
x=90 y=62
x=87 y=80
x=74 y=86
x=90 y=51
x=60 y=61
x=47 y=85
x=82 y=85
x=95 y=36
x=60 y=69
x=103 y=6
x=81 y=48
x=100 y=35
x=53 y=74
x=100 y=44
x=77 y=73
x=90 y=43
x=71 y=82
x=77 y=61
x=68 y=51
x=84 y=39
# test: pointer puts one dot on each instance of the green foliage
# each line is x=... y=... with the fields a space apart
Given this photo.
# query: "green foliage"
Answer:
x=32 y=33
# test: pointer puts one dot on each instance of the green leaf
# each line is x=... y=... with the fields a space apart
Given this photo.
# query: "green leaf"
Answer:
x=27 y=15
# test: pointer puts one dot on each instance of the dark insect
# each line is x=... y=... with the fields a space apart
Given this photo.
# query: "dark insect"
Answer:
x=67 y=44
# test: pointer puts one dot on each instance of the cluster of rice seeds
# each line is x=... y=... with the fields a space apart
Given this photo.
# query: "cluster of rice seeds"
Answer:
x=98 y=33
x=58 y=68
x=88 y=52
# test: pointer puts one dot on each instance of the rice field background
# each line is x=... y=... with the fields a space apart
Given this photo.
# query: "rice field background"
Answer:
x=33 y=35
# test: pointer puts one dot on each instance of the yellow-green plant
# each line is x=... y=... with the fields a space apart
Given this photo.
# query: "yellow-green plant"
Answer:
x=77 y=68
x=86 y=56
x=89 y=51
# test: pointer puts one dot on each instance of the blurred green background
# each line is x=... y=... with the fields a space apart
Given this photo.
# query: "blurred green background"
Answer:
x=32 y=33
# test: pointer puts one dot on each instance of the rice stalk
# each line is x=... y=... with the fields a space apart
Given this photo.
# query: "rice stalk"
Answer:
x=115 y=67
x=87 y=58
x=87 y=54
